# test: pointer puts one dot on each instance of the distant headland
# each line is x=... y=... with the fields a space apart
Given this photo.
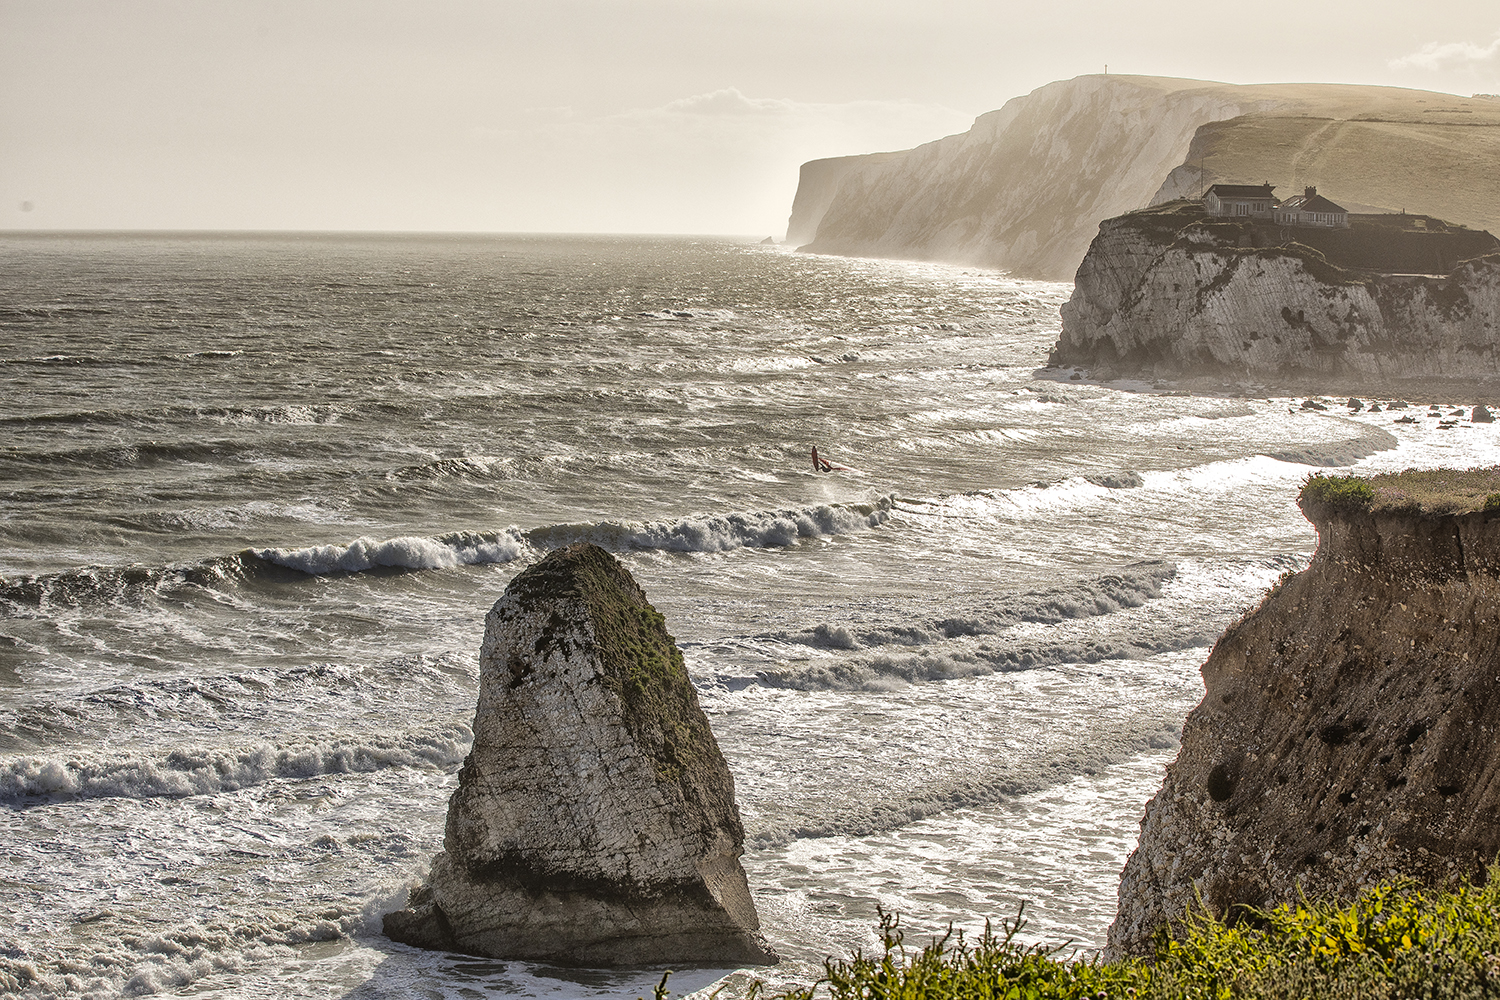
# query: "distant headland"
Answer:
x=1238 y=286
x=1027 y=186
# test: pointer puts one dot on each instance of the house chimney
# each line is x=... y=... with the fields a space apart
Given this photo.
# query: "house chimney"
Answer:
x=1309 y=192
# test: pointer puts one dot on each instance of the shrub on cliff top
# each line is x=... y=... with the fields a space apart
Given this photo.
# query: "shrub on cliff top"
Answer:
x=1344 y=494
x=1393 y=942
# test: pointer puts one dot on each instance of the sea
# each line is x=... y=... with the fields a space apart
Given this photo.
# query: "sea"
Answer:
x=258 y=492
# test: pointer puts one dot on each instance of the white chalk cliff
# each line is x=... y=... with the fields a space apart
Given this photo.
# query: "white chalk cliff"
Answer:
x=1026 y=187
x=1167 y=293
x=594 y=822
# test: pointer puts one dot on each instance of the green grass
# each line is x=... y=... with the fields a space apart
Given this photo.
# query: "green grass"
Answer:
x=1342 y=494
x=1393 y=942
x=1416 y=491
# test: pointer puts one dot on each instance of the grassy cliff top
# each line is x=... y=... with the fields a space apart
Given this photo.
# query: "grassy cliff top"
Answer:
x=1372 y=244
x=1414 y=491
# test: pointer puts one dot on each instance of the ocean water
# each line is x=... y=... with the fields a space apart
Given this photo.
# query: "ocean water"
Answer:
x=258 y=492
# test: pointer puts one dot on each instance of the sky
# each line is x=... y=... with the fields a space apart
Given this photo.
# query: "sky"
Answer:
x=611 y=116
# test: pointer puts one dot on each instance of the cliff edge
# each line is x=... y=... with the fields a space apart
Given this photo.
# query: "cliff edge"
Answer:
x=1171 y=291
x=1025 y=188
x=1347 y=732
x=594 y=822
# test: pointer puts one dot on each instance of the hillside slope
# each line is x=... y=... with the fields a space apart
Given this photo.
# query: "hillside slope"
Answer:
x=1027 y=186
x=1442 y=161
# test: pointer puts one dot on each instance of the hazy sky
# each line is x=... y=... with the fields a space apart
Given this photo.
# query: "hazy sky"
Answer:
x=668 y=116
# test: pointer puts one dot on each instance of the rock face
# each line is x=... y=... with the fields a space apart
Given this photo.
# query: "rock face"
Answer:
x=1168 y=292
x=1025 y=188
x=1347 y=732
x=594 y=822
x=817 y=183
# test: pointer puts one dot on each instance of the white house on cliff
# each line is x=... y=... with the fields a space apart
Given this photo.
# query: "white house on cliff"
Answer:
x=1311 y=209
x=1253 y=200
x=1256 y=201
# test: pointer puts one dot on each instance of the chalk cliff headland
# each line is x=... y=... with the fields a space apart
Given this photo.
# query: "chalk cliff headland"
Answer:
x=594 y=821
x=1172 y=291
x=1348 y=727
x=1026 y=187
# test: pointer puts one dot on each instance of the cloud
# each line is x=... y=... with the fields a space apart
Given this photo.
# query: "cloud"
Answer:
x=729 y=101
x=1437 y=56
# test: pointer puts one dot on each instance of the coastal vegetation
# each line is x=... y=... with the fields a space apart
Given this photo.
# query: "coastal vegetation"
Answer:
x=1393 y=941
x=1414 y=491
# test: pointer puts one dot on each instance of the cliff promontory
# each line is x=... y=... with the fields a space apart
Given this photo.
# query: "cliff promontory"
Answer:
x=1347 y=732
x=594 y=822
x=1025 y=188
x=1172 y=291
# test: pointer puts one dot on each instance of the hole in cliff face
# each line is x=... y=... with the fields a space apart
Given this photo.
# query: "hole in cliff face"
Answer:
x=1220 y=783
x=1346 y=798
x=1448 y=790
x=1309 y=859
x=519 y=671
x=1335 y=735
x=1414 y=732
x=1319 y=827
x=1399 y=781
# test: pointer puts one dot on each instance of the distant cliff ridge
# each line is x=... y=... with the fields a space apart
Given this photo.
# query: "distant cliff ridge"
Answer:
x=1172 y=292
x=1026 y=187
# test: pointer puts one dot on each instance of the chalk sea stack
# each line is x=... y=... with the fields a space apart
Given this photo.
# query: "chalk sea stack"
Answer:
x=594 y=822
x=1347 y=732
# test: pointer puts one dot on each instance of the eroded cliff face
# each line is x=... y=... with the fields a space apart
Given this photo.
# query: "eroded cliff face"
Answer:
x=1347 y=732
x=1026 y=186
x=1154 y=300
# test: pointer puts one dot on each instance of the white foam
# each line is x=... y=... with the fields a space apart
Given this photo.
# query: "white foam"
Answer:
x=188 y=771
x=723 y=532
x=406 y=552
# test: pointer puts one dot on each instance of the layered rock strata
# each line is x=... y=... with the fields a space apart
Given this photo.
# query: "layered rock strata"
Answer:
x=1168 y=293
x=1347 y=732
x=594 y=822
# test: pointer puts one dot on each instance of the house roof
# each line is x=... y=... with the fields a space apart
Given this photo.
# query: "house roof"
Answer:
x=1241 y=190
x=1318 y=203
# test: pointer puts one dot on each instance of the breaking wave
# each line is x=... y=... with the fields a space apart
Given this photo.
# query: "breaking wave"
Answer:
x=698 y=533
x=184 y=772
x=721 y=532
x=464 y=548
x=1131 y=587
x=1338 y=454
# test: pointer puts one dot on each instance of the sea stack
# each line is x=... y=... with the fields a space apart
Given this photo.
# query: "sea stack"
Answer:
x=1347 y=733
x=594 y=822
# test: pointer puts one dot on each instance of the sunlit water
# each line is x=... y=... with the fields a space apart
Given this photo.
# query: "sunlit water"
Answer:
x=259 y=492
